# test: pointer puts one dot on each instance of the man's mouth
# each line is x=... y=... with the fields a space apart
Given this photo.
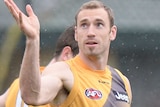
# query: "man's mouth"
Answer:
x=91 y=43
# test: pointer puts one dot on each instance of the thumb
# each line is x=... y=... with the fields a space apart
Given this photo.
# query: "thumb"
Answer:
x=29 y=10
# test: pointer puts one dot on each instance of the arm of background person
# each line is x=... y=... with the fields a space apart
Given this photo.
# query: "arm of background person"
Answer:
x=3 y=98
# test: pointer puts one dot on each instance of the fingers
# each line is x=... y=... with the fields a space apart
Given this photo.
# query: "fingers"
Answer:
x=20 y=19
x=11 y=8
x=13 y=12
x=12 y=3
x=29 y=10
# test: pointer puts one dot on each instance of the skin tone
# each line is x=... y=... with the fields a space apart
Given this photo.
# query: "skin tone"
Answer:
x=3 y=99
x=93 y=34
x=66 y=54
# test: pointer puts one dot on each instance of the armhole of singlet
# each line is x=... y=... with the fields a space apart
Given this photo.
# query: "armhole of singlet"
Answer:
x=73 y=91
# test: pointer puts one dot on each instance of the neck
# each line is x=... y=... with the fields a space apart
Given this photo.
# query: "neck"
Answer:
x=95 y=62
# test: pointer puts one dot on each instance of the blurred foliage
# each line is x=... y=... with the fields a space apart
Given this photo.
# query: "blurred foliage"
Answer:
x=13 y=35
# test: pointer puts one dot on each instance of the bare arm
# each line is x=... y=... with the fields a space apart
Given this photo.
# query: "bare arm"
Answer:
x=35 y=89
x=3 y=99
x=29 y=73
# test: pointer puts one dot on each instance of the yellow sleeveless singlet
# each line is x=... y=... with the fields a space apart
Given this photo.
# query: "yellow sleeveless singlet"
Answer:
x=91 y=88
x=95 y=88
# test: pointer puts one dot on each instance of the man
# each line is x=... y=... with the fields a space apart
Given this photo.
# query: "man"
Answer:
x=66 y=48
x=88 y=80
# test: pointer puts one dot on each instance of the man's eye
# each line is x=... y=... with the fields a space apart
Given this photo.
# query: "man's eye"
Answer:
x=84 y=25
x=99 y=24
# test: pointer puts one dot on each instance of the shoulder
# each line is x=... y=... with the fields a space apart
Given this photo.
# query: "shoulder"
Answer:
x=57 y=69
x=61 y=65
x=124 y=78
x=126 y=83
x=60 y=71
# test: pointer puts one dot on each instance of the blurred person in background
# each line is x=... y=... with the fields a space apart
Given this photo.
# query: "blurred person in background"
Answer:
x=66 y=48
x=86 y=77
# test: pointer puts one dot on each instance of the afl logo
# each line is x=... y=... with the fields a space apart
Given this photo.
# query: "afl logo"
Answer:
x=93 y=94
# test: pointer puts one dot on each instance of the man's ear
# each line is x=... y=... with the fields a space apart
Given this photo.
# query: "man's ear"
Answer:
x=66 y=53
x=113 y=33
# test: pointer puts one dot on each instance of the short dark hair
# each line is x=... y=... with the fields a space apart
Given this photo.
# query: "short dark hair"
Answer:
x=95 y=4
x=66 y=39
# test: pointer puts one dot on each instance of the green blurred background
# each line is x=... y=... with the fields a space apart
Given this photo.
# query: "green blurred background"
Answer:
x=135 y=52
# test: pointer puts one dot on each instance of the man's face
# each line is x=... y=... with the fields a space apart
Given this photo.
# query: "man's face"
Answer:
x=93 y=31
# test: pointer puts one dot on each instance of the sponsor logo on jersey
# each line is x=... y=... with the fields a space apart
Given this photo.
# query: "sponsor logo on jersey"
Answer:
x=103 y=82
x=93 y=94
x=121 y=96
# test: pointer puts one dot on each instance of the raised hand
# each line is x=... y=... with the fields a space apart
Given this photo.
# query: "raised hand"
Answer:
x=28 y=24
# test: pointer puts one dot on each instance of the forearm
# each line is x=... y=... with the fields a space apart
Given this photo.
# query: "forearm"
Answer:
x=30 y=73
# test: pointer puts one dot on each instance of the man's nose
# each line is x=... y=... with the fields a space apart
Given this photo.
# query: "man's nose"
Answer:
x=91 y=31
